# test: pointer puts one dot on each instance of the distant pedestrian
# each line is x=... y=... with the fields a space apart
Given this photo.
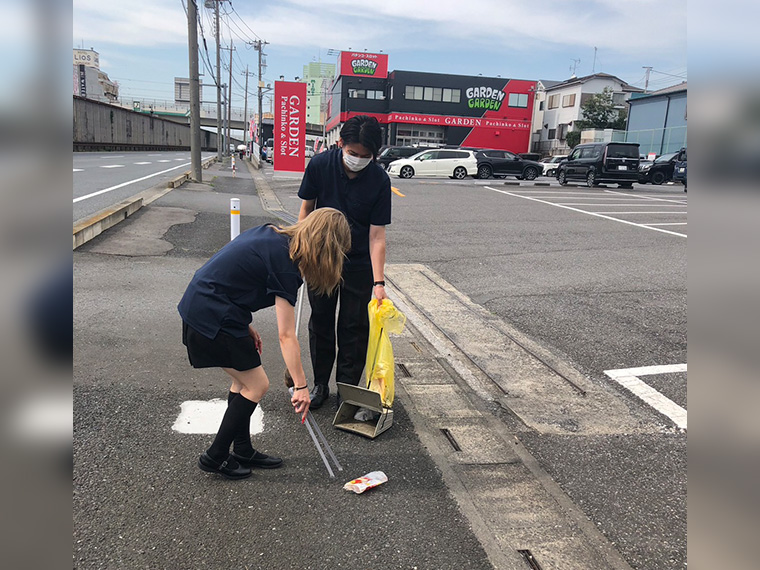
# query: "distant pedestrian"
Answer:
x=347 y=178
x=262 y=267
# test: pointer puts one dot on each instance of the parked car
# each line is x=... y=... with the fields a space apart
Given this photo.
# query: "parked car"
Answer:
x=658 y=171
x=504 y=163
x=534 y=156
x=550 y=164
x=268 y=150
x=437 y=162
x=679 y=168
x=390 y=153
x=595 y=163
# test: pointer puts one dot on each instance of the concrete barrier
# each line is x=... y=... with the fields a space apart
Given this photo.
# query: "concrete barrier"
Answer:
x=96 y=224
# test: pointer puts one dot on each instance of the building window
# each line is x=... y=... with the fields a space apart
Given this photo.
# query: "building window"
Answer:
x=365 y=94
x=552 y=134
x=541 y=106
x=568 y=100
x=554 y=101
x=618 y=99
x=518 y=100
x=563 y=131
x=420 y=93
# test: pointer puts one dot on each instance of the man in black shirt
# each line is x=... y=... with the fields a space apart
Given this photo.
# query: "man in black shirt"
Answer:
x=348 y=179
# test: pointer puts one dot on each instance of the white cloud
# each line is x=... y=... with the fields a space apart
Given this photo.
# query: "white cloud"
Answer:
x=645 y=28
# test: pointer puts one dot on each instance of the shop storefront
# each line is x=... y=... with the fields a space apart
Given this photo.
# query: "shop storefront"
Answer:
x=433 y=109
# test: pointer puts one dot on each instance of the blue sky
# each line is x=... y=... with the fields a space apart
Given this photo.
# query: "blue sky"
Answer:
x=143 y=43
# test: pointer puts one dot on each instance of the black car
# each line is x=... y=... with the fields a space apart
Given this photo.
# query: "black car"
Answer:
x=390 y=153
x=679 y=170
x=659 y=171
x=500 y=163
x=595 y=163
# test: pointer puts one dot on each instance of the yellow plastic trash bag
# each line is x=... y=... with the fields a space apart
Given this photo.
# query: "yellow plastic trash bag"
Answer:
x=379 y=366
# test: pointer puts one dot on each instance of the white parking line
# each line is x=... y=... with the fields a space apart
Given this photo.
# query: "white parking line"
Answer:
x=163 y=161
x=143 y=163
x=645 y=197
x=626 y=213
x=79 y=170
x=629 y=379
x=128 y=183
x=606 y=217
x=179 y=159
x=112 y=166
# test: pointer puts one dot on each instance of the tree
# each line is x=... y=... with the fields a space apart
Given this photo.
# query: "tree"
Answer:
x=573 y=138
x=599 y=112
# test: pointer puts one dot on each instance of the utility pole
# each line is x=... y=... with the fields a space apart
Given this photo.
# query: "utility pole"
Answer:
x=218 y=84
x=259 y=47
x=195 y=96
x=229 y=105
x=245 y=112
x=593 y=67
x=646 y=82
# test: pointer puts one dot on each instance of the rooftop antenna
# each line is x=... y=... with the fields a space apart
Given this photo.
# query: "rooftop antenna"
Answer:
x=574 y=66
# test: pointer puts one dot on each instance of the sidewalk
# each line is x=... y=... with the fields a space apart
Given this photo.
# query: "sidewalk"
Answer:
x=461 y=493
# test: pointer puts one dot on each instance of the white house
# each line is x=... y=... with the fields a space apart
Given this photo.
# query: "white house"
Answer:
x=562 y=107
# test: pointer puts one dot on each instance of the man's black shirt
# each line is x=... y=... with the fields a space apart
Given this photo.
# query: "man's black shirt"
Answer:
x=365 y=200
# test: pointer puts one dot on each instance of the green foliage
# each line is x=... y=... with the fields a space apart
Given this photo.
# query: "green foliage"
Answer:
x=599 y=112
x=573 y=138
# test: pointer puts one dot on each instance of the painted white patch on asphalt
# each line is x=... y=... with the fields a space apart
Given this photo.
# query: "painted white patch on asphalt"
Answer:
x=629 y=379
x=180 y=159
x=163 y=160
x=605 y=215
x=112 y=166
x=143 y=163
x=79 y=170
x=201 y=416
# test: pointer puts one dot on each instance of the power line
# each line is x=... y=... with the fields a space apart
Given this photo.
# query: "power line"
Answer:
x=669 y=74
x=255 y=35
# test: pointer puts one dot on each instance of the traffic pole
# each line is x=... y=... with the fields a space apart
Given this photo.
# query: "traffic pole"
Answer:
x=234 y=218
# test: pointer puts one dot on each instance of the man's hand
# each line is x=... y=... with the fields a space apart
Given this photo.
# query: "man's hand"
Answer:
x=256 y=338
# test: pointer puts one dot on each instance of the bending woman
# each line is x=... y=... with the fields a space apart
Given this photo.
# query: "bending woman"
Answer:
x=263 y=266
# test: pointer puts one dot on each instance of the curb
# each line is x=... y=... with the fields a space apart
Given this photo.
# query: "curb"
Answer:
x=89 y=228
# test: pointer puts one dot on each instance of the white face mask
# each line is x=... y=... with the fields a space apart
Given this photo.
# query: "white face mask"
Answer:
x=354 y=163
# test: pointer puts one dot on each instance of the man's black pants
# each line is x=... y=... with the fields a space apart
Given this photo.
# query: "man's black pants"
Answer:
x=354 y=294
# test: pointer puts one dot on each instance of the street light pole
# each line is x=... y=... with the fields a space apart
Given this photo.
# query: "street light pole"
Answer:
x=229 y=106
x=218 y=84
x=259 y=47
x=195 y=99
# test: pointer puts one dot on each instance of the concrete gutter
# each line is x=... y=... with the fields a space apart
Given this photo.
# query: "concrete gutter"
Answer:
x=89 y=228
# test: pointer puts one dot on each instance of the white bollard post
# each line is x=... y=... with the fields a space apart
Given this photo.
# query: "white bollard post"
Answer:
x=234 y=218
x=234 y=170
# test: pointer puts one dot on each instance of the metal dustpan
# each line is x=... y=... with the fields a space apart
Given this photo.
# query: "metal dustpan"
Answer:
x=353 y=398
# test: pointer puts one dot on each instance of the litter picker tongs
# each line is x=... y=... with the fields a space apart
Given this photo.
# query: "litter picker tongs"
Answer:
x=311 y=424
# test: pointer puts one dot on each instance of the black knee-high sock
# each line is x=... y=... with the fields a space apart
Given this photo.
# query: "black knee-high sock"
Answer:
x=242 y=443
x=238 y=414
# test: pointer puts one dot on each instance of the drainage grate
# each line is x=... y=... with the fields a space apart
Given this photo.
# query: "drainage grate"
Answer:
x=404 y=370
x=530 y=559
x=451 y=439
x=416 y=346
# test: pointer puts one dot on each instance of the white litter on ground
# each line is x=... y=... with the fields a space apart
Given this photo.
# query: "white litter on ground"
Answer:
x=204 y=416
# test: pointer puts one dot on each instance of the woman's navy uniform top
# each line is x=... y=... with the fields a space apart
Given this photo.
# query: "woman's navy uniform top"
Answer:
x=365 y=200
x=244 y=276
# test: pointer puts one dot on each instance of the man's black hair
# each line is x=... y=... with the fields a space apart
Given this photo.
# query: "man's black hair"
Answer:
x=364 y=130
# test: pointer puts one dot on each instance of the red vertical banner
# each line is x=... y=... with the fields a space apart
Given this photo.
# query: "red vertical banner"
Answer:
x=289 y=126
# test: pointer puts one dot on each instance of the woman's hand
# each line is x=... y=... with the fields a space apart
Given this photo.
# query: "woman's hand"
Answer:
x=256 y=338
x=301 y=401
x=380 y=294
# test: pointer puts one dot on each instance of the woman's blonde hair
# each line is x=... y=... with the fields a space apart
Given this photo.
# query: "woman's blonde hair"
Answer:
x=318 y=245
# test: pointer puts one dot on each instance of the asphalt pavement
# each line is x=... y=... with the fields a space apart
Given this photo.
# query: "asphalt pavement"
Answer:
x=492 y=453
x=105 y=178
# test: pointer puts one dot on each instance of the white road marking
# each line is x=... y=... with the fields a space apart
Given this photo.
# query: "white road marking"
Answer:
x=639 y=205
x=163 y=161
x=626 y=213
x=645 y=197
x=79 y=170
x=629 y=379
x=180 y=159
x=198 y=416
x=592 y=213
x=128 y=183
x=112 y=166
x=143 y=163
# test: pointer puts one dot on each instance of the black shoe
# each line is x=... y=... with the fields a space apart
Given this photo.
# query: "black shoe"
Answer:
x=228 y=468
x=259 y=460
x=318 y=395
